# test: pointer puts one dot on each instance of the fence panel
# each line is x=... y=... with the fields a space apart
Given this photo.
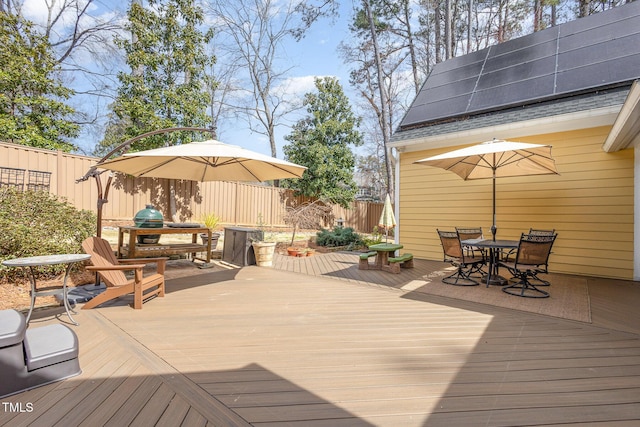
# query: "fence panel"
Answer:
x=236 y=203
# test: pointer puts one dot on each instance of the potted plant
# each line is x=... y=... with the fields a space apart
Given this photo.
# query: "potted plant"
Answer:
x=293 y=251
x=210 y=221
x=264 y=248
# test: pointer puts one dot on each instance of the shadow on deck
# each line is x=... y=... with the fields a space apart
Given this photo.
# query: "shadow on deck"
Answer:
x=293 y=346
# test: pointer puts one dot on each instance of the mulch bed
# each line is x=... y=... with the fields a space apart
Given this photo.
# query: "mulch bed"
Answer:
x=16 y=295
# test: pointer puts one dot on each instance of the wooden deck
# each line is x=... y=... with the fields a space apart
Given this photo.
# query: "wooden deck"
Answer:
x=325 y=344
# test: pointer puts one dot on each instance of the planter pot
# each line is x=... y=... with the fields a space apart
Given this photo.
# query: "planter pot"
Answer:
x=214 y=239
x=264 y=253
x=295 y=251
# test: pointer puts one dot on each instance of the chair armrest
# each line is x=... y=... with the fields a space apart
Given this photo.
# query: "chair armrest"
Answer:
x=114 y=267
x=141 y=260
x=161 y=262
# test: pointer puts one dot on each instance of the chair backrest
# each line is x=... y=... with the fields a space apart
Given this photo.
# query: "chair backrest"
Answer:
x=534 y=249
x=533 y=231
x=451 y=244
x=469 y=232
x=102 y=255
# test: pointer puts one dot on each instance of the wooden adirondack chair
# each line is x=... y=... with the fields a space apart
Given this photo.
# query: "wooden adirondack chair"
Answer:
x=112 y=270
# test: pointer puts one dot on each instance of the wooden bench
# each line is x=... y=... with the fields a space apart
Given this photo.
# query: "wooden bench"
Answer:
x=134 y=249
x=364 y=260
x=402 y=261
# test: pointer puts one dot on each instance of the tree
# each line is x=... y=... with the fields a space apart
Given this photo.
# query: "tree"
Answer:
x=166 y=86
x=322 y=142
x=32 y=108
x=306 y=215
x=256 y=30
x=80 y=33
x=382 y=58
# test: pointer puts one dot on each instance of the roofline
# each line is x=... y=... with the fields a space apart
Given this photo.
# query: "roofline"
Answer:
x=625 y=132
x=605 y=116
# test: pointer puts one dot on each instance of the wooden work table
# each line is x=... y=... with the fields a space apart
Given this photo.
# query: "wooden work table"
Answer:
x=133 y=249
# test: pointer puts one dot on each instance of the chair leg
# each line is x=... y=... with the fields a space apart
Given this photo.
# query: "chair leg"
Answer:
x=137 y=298
x=461 y=277
x=541 y=281
x=524 y=288
x=477 y=271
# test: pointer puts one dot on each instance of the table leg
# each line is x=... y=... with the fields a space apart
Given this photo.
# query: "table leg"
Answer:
x=493 y=277
x=382 y=258
x=65 y=296
x=32 y=279
x=120 y=242
x=132 y=244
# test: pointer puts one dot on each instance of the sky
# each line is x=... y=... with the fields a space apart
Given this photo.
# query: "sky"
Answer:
x=315 y=55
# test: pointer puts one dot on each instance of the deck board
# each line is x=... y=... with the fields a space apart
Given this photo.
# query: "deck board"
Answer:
x=316 y=342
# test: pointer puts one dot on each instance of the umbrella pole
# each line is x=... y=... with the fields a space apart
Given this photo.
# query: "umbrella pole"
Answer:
x=494 y=229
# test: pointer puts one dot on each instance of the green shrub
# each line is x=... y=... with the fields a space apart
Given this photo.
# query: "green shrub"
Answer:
x=36 y=223
x=373 y=239
x=339 y=236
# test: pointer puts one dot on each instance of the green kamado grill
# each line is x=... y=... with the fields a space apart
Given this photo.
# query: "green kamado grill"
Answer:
x=149 y=218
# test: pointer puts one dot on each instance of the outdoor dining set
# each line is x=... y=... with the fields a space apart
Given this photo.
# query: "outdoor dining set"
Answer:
x=477 y=260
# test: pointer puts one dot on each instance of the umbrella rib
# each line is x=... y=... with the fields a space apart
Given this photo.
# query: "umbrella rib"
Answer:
x=530 y=156
x=152 y=168
x=159 y=165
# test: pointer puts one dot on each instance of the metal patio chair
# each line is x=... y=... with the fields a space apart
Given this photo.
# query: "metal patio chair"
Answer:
x=465 y=265
x=466 y=233
x=531 y=259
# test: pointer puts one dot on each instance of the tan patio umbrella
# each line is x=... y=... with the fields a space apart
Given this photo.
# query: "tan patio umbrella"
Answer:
x=387 y=218
x=496 y=159
x=204 y=161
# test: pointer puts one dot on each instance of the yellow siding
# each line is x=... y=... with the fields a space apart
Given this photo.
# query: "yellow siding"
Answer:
x=590 y=204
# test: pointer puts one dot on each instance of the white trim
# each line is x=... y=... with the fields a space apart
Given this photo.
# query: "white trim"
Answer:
x=560 y=123
x=626 y=129
x=636 y=213
x=396 y=194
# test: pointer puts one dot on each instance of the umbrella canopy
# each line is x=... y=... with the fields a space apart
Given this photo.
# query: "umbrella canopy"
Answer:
x=496 y=159
x=204 y=161
x=387 y=218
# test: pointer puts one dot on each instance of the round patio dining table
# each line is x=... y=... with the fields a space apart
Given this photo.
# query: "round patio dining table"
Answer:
x=495 y=249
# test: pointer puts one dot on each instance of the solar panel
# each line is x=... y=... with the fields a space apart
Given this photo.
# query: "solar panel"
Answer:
x=578 y=56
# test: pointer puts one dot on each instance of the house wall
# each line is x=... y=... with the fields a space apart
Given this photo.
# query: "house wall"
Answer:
x=590 y=204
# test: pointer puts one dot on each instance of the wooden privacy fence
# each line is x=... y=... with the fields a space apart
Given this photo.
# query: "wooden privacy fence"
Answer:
x=236 y=203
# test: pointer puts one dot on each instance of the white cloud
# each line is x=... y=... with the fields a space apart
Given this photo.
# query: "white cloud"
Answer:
x=299 y=85
x=35 y=10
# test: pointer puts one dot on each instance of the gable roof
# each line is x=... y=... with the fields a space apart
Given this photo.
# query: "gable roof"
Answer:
x=585 y=56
